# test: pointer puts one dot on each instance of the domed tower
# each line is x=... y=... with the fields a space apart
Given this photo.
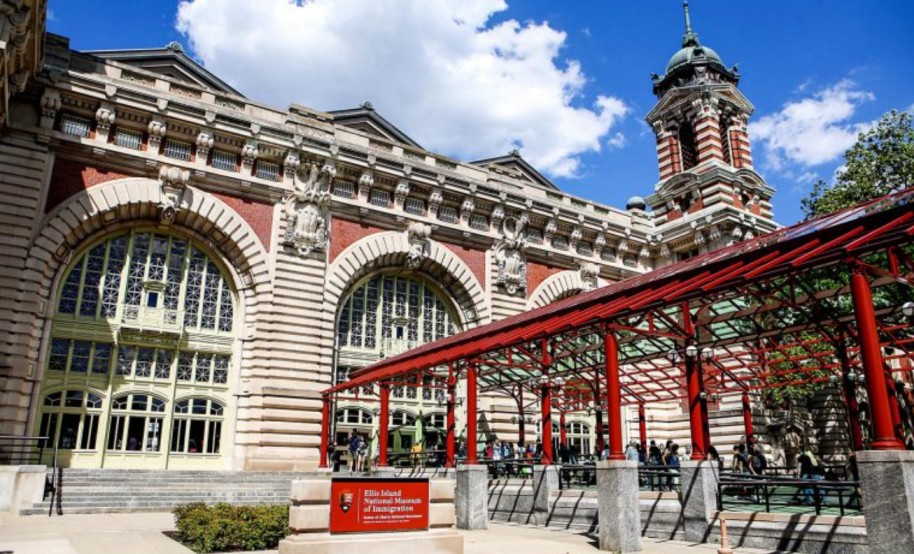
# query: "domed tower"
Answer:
x=708 y=195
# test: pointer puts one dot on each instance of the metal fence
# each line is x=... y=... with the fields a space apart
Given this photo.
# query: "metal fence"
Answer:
x=761 y=493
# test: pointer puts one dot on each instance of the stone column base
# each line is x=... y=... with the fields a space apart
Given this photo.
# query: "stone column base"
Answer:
x=699 y=498
x=420 y=542
x=471 y=499
x=619 y=507
x=887 y=486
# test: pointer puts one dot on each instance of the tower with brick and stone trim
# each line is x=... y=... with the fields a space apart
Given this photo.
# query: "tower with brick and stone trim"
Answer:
x=708 y=195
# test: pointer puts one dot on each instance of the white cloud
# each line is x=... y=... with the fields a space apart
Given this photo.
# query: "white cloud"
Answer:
x=438 y=70
x=618 y=140
x=814 y=130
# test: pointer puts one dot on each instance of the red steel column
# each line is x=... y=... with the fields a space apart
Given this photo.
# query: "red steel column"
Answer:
x=698 y=409
x=876 y=386
x=747 y=419
x=547 y=424
x=642 y=427
x=613 y=397
x=451 y=423
x=471 y=415
x=696 y=421
x=385 y=421
x=563 y=434
x=521 y=423
x=325 y=430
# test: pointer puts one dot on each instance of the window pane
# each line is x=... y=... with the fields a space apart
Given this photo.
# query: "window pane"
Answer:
x=178 y=433
x=196 y=432
x=89 y=432
x=115 y=432
x=52 y=399
x=69 y=425
x=215 y=437
x=153 y=430
x=74 y=399
x=60 y=349
x=101 y=360
x=158 y=405
x=163 y=364
x=139 y=403
x=79 y=363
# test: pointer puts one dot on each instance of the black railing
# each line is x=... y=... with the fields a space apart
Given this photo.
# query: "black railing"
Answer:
x=19 y=451
x=659 y=479
x=757 y=493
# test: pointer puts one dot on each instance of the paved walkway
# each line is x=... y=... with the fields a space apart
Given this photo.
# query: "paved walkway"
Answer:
x=142 y=533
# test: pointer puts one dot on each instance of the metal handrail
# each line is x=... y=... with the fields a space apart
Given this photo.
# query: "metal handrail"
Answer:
x=751 y=490
x=22 y=450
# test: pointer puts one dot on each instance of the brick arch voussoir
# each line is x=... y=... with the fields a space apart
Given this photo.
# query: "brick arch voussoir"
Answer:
x=388 y=250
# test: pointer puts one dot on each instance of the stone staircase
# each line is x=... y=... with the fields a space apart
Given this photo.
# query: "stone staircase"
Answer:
x=90 y=491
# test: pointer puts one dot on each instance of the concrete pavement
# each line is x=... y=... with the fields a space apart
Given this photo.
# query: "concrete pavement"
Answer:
x=143 y=533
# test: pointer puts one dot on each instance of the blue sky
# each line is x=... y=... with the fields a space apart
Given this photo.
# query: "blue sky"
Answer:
x=567 y=82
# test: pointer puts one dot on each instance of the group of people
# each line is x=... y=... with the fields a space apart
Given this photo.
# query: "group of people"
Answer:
x=504 y=450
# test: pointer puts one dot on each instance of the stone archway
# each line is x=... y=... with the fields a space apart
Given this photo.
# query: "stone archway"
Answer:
x=558 y=286
x=121 y=204
x=390 y=250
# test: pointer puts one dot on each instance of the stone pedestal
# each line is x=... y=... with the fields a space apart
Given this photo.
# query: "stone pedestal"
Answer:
x=545 y=480
x=699 y=498
x=619 y=512
x=471 y=498
x=887 y=483
x=309 y=522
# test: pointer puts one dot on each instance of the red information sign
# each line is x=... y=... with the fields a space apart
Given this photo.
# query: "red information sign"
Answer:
x=378 y=505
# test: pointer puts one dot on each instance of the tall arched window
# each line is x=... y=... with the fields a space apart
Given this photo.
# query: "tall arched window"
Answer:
x=725 y=139
x=143 y=317
x=389 y=314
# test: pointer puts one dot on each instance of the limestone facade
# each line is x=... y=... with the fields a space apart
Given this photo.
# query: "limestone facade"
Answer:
x=185 y=269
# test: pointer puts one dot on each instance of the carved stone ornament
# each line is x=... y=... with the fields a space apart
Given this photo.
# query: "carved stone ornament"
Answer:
x=509 y=255
x=498 y=215
x=157 y=130
x=575 y=239
x=291 y=164
x=598 y=244
x=249 y=154
x=590 y=275
x=205 y=142
x=174 y=182
x=549 y=231
x=366 y=181
x=401 y=192
x=418 y=235
x=104 y=119
x=307 y=209
x=665 y=252
x=466 y=208
x=435 y=199
x=50 y=105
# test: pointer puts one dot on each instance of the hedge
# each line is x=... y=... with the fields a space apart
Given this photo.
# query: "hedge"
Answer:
x=224 y=528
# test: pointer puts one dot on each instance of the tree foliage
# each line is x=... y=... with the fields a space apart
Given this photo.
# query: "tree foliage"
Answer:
x=882 y=161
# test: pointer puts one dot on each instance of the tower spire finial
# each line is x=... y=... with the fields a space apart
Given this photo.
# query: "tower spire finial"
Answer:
x=690 y=38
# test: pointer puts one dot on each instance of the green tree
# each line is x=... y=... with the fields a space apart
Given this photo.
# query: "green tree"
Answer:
x=880 y=162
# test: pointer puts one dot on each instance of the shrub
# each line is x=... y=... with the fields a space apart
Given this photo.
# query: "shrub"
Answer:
x=224 y=528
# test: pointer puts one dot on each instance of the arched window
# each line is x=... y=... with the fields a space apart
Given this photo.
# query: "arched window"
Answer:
x=399 y=418
x=389 y=314
x=72 y=417
x=136 y=423
x=687 y=147
x=197 y=426
x=354 y=416
x=148 y=279
x=147 y=317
